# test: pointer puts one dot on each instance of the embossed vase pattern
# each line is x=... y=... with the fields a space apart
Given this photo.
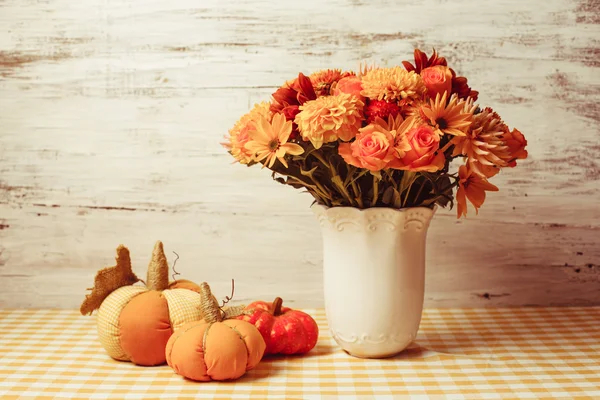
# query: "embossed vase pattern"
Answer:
x=373 y=276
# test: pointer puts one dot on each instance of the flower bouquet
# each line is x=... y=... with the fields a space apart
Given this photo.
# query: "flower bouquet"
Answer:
x=374 y=148
x=379 y=137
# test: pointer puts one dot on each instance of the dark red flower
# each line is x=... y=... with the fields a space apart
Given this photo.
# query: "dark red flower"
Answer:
x=459 y=83
x=422 y=62
x=290 y=113
x=460 y=87
x=294 y=94
x=381 y=109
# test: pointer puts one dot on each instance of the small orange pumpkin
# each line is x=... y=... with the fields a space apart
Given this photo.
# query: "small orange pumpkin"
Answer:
x=135 y=322
x=216 y=348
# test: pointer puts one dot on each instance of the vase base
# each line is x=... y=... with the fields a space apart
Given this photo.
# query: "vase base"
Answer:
x=373 y=356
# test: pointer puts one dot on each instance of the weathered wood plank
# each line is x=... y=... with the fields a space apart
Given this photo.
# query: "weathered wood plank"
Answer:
x=60 y=248
x=111 y=113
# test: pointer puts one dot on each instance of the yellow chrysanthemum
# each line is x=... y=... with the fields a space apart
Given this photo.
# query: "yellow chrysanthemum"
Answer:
x=329 y=118
x=238 y=135
x=483 y=145
x=392 y=84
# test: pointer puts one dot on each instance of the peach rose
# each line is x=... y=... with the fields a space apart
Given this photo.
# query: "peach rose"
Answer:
x=516 y=143
x=437 y=79
x=373 y=148
x=350 y=85
x=423 y=155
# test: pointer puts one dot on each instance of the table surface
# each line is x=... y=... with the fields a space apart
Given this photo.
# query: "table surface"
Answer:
x=459 y=353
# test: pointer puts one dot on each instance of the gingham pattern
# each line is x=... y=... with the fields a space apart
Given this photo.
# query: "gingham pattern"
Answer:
x=526 y=353
x=108 y=319
x=184 y=306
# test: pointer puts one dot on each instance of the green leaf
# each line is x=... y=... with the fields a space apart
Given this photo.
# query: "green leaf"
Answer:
x=376 y=174
x=359 y=175
x=396 y=200
x=388 y=195
x=391 y=197
x=309 y=173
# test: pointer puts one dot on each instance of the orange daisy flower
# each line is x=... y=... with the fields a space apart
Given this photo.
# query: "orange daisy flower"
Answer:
x=452 y=117
x=269 y=141
x=471 y=186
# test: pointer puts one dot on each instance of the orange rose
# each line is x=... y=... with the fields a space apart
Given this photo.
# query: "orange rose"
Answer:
x=437 y=79
x=516 y=143
x=350 y=85
x=423 y=155
x=373 y=148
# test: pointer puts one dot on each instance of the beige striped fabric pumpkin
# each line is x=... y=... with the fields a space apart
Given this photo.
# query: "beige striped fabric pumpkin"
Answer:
x=136 y=321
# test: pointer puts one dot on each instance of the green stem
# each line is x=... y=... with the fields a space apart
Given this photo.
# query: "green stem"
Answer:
x=340 y=184
x=345 y=193
x=375 y=191
x=358 y=197
x=321 y=159
x=420 y=190
x=321 y=193
x=408 y=192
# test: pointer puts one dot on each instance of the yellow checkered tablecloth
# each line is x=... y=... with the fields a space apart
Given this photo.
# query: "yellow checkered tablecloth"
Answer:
x=517 y=353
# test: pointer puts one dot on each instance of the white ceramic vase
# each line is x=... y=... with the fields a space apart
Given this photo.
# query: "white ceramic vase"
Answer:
x=373 y=276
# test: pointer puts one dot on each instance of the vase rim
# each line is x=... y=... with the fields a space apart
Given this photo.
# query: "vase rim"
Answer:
x=366 y=210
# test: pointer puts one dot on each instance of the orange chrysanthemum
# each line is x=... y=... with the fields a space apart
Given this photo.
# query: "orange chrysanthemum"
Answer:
x=452 y=117
x=483 y=144
x=323 y=80
x=473 y=187
x=393 y=84
x=269 y=141
x=238 y=135
x=329 y=118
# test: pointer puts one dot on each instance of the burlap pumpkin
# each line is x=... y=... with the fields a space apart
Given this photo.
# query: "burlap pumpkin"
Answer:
x=136 y=321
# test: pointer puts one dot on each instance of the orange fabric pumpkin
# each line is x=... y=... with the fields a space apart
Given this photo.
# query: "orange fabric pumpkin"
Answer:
x=135 y=322
x=216 y=348
x=284 y=330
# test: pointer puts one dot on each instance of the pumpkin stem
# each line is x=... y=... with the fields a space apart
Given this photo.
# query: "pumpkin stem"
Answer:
x=158 y=270
x=276 y=306
x=209 y=305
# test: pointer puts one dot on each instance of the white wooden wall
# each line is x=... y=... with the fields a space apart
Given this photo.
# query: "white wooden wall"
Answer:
x=111 y=114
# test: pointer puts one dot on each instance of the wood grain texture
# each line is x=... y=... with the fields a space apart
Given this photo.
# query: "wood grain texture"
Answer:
x=111 y=114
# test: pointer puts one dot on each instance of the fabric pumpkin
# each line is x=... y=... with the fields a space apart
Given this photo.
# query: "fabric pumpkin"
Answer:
x=134 y=321
x=284 y=330
x=216 y=348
